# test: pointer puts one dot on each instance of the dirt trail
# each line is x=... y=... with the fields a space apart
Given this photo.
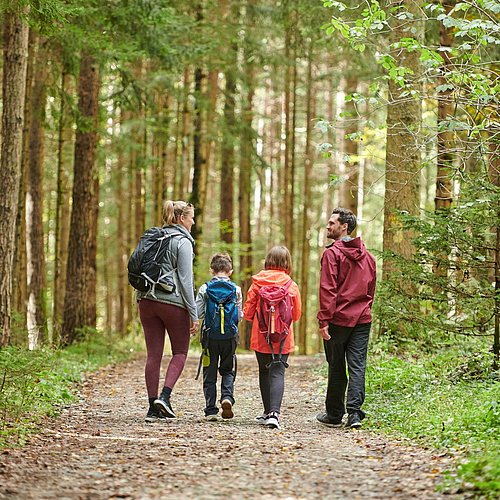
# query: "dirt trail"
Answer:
x=101 y=448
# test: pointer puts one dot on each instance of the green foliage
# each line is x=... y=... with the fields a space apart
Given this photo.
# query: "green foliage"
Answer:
x=447 y=286
x=34 y=384
x=448 y=400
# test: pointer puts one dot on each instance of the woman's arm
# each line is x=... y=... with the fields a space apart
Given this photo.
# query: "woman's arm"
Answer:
x=185 y=274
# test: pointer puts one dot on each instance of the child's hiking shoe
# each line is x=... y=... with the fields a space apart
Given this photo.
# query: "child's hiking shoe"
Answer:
x=227 y=409
x=163 y=406
x=261 y=419
x=272 y=421
x=153 y=415
x=353 y=421
x=212 y=418
x=325 y=419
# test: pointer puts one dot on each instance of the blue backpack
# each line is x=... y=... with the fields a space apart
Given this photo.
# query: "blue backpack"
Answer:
x=221 y=310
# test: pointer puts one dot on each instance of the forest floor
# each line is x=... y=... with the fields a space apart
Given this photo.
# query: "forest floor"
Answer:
x=101 y=448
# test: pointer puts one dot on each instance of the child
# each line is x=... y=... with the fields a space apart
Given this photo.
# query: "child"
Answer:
x=219 y=306
x=272 y=355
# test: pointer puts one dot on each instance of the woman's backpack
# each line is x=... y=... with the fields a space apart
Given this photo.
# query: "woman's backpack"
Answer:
x=274 y=315
x=147 y=266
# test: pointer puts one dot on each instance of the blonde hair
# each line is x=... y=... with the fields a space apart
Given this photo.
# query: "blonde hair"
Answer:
x=173 y=210
x=279 y=258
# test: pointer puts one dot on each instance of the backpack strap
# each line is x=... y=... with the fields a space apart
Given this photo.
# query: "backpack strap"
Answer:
x=279 y=359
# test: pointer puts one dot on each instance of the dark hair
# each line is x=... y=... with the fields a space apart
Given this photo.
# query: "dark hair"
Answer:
x=346 y=217
x=279 y=258
x=221 y=262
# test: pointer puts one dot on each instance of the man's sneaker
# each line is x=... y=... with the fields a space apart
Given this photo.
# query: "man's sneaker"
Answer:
x=153 y=415
x=272 y=421
x=325 y=419
x=227 y=409
x=261 y=419
x=212 y=418
x=163 y=406
x=353 y=421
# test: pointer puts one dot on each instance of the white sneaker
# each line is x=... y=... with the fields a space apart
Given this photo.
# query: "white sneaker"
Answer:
x=273 y=421
x=261 y=419
x=212 y=418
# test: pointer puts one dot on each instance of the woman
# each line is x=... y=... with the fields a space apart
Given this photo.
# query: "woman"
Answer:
x=173 y=312
x=276 y=272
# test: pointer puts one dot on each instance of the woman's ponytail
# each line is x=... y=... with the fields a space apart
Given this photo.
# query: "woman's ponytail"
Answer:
x=173 y=210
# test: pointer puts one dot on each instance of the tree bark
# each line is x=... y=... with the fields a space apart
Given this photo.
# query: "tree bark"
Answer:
x=79 y=304
x=245 y=188
x=36 y=317
x=306 y=246
x=15 y=51
x=229 y=138
x=350 y=188
x=199 y=162
x=65 y=154
x=20 y=278
x=444 y=189
x=403 y=148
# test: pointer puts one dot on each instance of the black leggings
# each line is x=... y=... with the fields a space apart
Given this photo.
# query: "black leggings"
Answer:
x=271 y=382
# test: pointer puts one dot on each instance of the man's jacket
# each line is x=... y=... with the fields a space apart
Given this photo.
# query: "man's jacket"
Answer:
x=347 y=284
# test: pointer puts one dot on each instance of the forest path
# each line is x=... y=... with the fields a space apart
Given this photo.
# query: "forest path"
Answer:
x=101 y=448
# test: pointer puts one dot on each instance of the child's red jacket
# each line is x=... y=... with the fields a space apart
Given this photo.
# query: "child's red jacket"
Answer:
x=270 y=277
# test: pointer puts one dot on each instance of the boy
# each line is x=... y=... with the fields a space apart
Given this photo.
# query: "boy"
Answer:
x=219 y=305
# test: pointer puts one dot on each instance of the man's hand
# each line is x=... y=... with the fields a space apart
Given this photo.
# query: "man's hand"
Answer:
x=194 y=328
x=324 y=333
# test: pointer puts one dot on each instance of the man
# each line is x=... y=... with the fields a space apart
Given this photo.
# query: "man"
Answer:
x=346 y=291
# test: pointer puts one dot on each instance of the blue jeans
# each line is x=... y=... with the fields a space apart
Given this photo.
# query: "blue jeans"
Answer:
x=222 y=359
x=346 y=344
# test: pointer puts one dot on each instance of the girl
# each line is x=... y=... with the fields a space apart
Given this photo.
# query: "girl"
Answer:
x=277 y=269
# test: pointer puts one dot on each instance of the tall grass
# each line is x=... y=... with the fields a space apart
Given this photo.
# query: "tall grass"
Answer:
x=34 y=384
x=447 y=399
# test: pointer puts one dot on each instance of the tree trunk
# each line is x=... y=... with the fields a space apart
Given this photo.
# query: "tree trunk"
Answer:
x=245 y=185
x=199 y=163
x=65 y=154
x=494 y=174
x=350 y=188
x=20 y=279
x=445 y=158
x=444 y=189
x=308 y=164
x=289 y=138
x=185 y=164
x=36 y=315
x=229 y=137
x=78 y=311
x=15 y=51
x=403 y=159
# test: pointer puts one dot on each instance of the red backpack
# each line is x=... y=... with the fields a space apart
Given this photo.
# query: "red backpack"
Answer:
x=275 y=315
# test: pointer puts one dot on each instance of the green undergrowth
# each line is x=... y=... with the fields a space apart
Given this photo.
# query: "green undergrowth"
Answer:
x=448 y=399
x=36 y=384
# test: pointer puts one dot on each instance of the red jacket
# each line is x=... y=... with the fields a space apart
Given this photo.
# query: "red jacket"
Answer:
x=270 y=277
x=347 y=284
